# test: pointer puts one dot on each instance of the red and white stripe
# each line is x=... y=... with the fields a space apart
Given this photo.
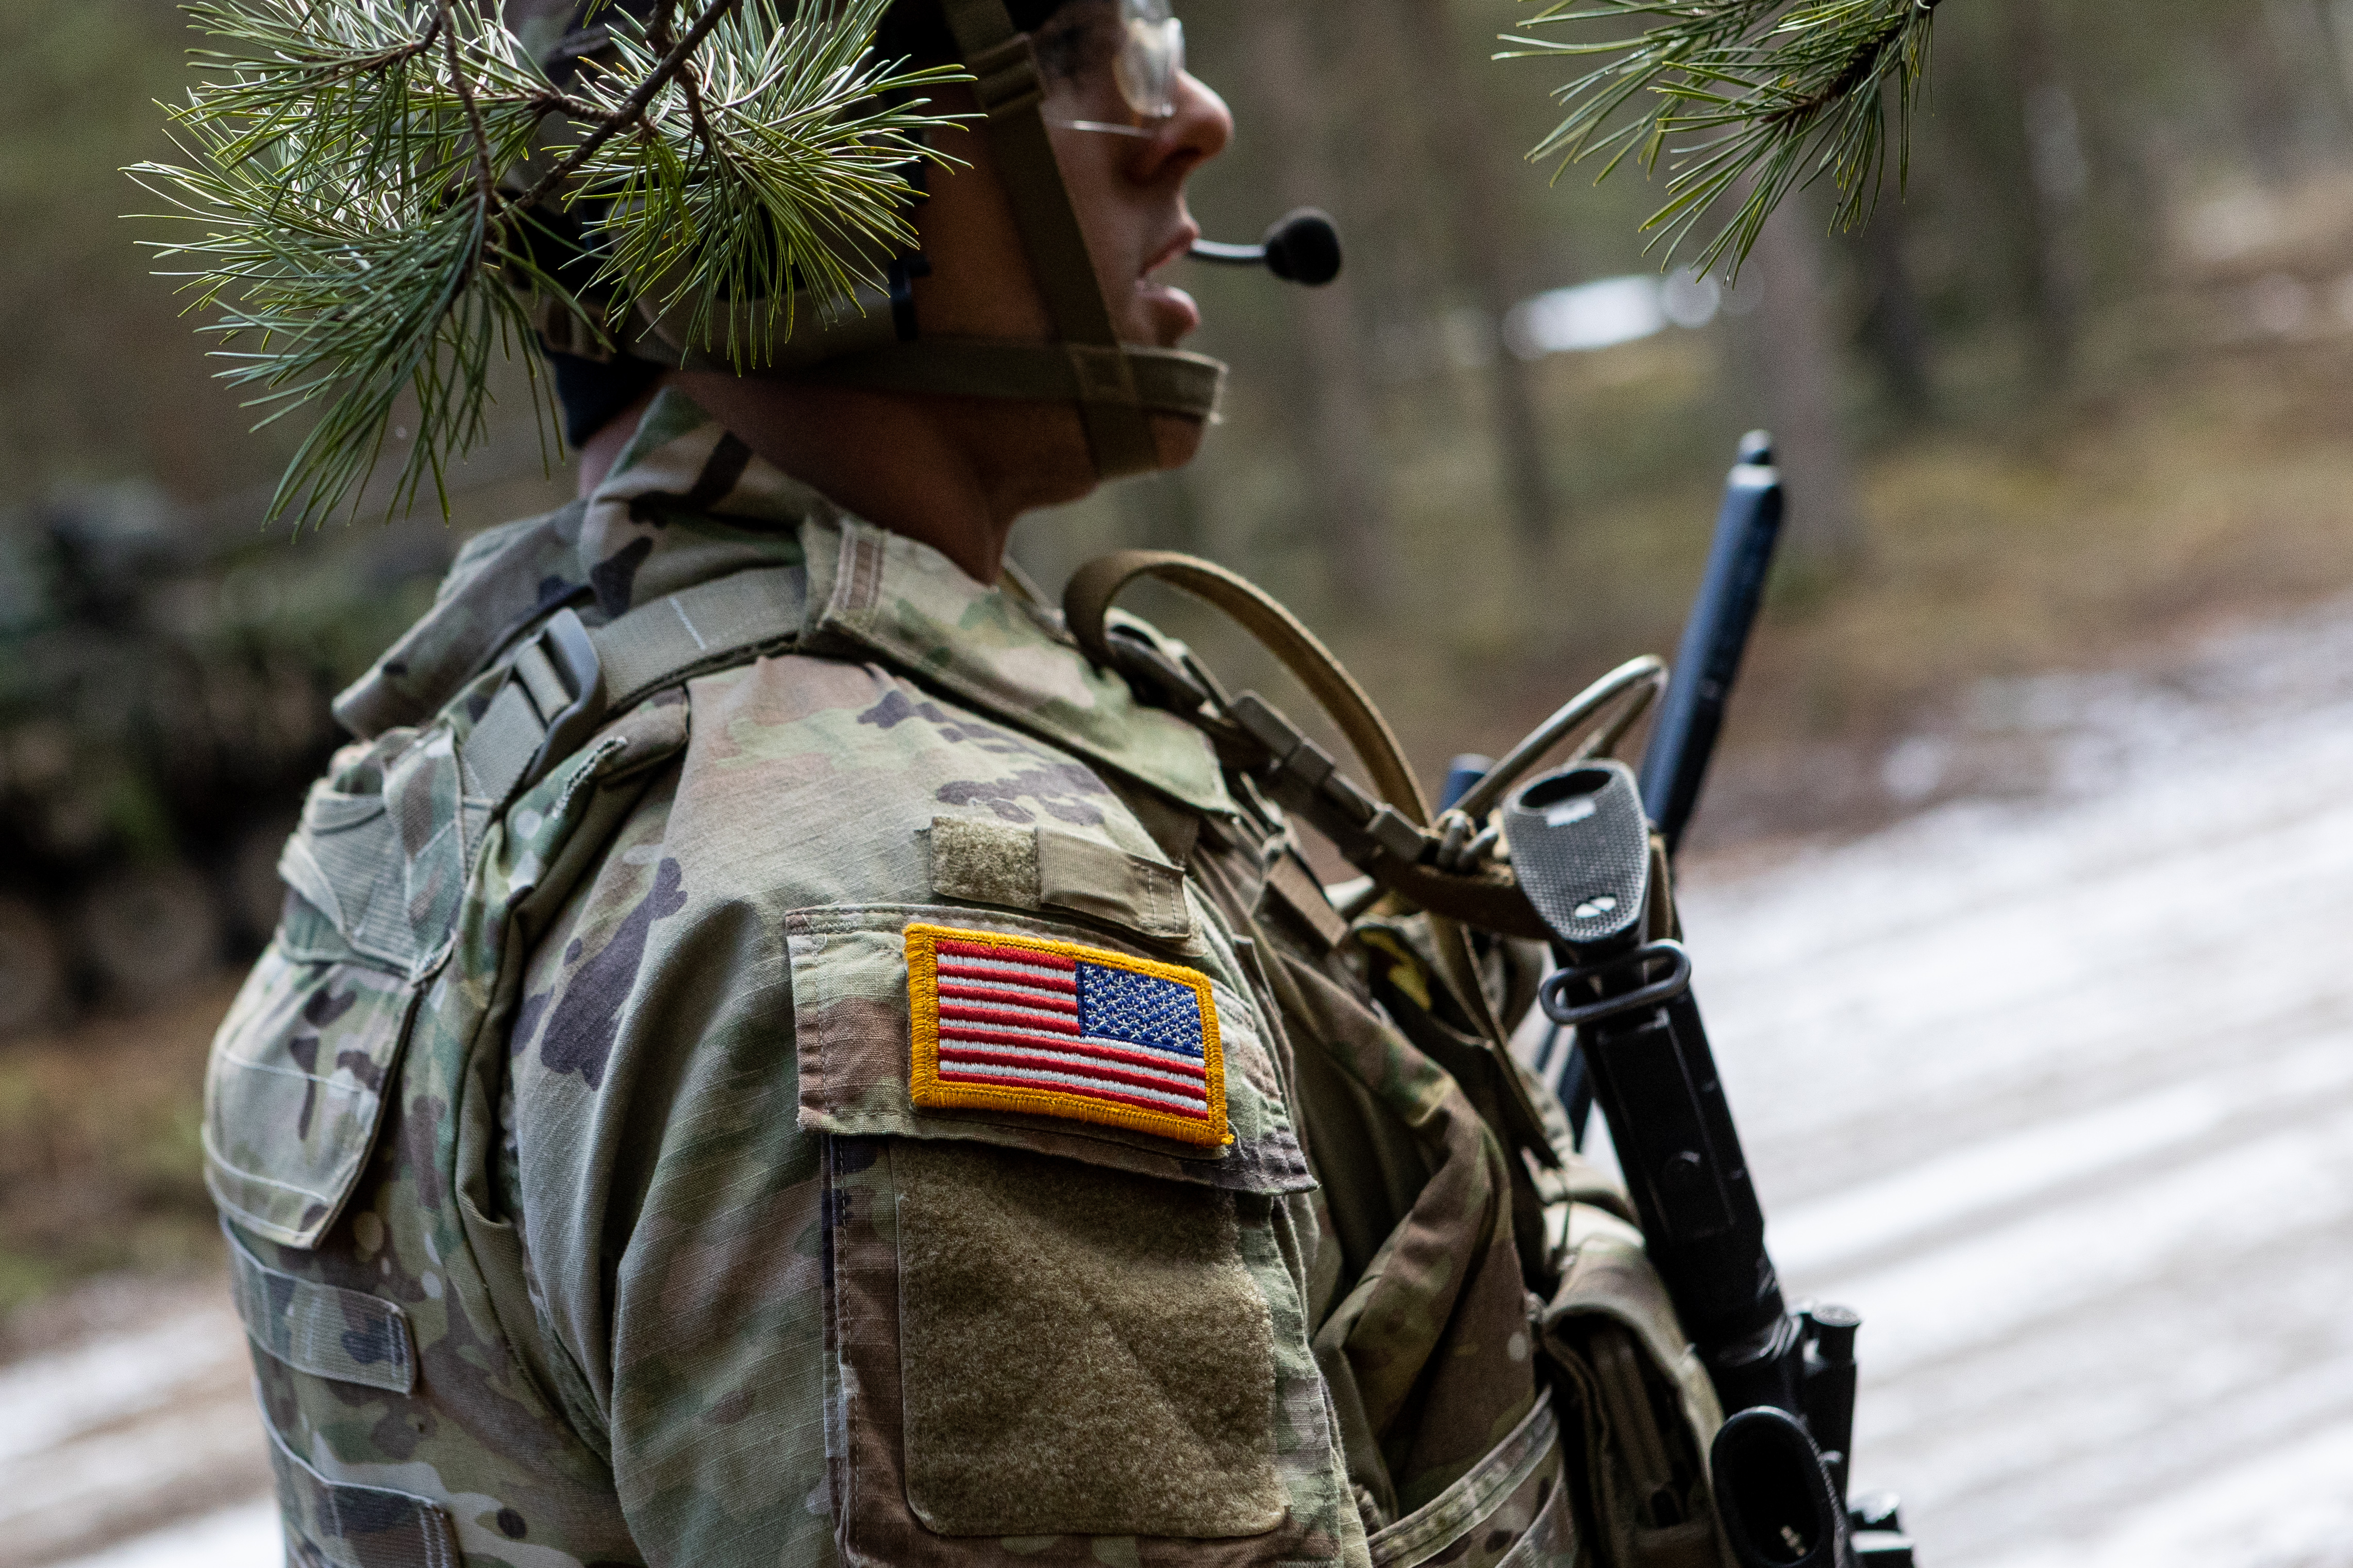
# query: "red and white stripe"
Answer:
x=1009 y=1017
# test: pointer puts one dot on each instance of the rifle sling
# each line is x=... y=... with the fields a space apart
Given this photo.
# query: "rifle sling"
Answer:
x=1494 y=901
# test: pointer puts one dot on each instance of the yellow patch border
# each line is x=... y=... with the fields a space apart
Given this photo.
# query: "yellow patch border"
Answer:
x=926 y=1087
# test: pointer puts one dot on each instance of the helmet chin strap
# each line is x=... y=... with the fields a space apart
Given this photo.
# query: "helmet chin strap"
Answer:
x=1116 y=387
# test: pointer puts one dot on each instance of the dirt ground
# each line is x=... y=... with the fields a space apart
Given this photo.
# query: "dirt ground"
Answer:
x=98 y=1155
x=128 y=1409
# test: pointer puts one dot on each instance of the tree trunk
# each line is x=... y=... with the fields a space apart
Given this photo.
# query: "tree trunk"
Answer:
x=2059 y=178
x=2340 y=33
x=1792 y=352
x=1898 y=329
x=1487 y=255
x=32 y=970
x=2309 y=85
x=1343 y=435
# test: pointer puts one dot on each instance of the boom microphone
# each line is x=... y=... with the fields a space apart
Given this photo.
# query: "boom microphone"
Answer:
x=1301 y=248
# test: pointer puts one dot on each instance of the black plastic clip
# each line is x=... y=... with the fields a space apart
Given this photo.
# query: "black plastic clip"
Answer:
x=1656 y=994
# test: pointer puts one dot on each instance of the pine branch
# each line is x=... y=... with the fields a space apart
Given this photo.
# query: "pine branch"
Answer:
x=772 y=172
x=1773 y=96
x=351 y=170
x=485 y=183
x=627 y=113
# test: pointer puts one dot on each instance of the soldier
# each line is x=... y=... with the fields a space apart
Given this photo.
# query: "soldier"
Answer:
x=775 y=1056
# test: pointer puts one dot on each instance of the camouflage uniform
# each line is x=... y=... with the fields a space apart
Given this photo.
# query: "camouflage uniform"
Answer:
x=582 y=1205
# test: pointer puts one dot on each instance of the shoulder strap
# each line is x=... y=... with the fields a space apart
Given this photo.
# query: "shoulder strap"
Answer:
x=566 y=681
x=1087 y=601
x=490 y=596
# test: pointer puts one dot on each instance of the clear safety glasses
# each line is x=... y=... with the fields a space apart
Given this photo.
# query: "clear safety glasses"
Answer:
x=1151 y=57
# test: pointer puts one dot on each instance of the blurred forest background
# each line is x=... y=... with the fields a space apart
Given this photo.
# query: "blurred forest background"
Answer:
x=2088 y=391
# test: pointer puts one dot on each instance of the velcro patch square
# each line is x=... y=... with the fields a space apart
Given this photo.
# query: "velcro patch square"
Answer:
x=1052 y=1028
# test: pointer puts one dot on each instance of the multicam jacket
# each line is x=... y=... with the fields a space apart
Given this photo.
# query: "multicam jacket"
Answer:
x=887 y=1097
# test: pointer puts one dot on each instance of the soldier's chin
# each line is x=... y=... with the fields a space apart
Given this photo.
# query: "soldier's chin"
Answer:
x=1170 y=311
x=1176 y=439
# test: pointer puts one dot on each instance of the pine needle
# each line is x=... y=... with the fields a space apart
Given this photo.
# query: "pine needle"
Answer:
x=363 y=178
x=1741 y=98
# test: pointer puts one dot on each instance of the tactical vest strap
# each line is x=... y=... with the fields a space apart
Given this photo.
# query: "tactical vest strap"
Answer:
x=1389 y=841
x=696 y=629
x=566 y=681
x=346 y=1335
x=359 y=1527
x=1087 y=603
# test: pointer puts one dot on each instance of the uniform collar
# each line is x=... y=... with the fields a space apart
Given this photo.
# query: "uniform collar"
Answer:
x=686 y=502
x=898 y=599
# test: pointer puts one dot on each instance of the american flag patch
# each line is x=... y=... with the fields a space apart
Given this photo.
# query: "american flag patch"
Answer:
x=1016 y=1022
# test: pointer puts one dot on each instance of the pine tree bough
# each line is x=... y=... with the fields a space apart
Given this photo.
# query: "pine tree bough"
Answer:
x=1748 y=100
x=372 y=182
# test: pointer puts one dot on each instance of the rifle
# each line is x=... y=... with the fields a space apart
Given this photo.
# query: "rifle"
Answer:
x=1582 y=848
x=1683 y=738
x=1707 y=660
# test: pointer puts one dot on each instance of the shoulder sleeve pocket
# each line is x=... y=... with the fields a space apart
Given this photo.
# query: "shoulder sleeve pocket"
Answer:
x=1061 y=1296
x=923 y=1022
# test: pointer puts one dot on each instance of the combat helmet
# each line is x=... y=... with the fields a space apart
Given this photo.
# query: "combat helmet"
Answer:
x=876 y=340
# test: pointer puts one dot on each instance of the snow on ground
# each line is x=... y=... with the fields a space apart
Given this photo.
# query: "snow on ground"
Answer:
x=145 y=1425
x=2059 y=1096
x=2059 y=1093
x=246 y=1536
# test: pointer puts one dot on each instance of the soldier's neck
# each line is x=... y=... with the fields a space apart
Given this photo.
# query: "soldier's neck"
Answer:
x=955 y=473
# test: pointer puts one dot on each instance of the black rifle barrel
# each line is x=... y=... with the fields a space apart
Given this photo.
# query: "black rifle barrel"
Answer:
x=1581 y=849
x=1707 y=661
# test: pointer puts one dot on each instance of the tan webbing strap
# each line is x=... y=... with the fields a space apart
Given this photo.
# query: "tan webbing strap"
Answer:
x=1095 y=585
x=498 y=751
x=347 y=1335
x=1011 y=93
x=1489 y=897
x=708 y=627
x=702 y=628
x=1088 y=600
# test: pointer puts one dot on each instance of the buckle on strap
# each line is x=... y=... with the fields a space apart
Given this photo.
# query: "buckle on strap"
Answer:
x=565 y=681
x=550 y=703
x=561 y=670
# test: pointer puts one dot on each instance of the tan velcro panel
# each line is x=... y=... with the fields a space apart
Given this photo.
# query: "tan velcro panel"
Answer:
x=1045 y=868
